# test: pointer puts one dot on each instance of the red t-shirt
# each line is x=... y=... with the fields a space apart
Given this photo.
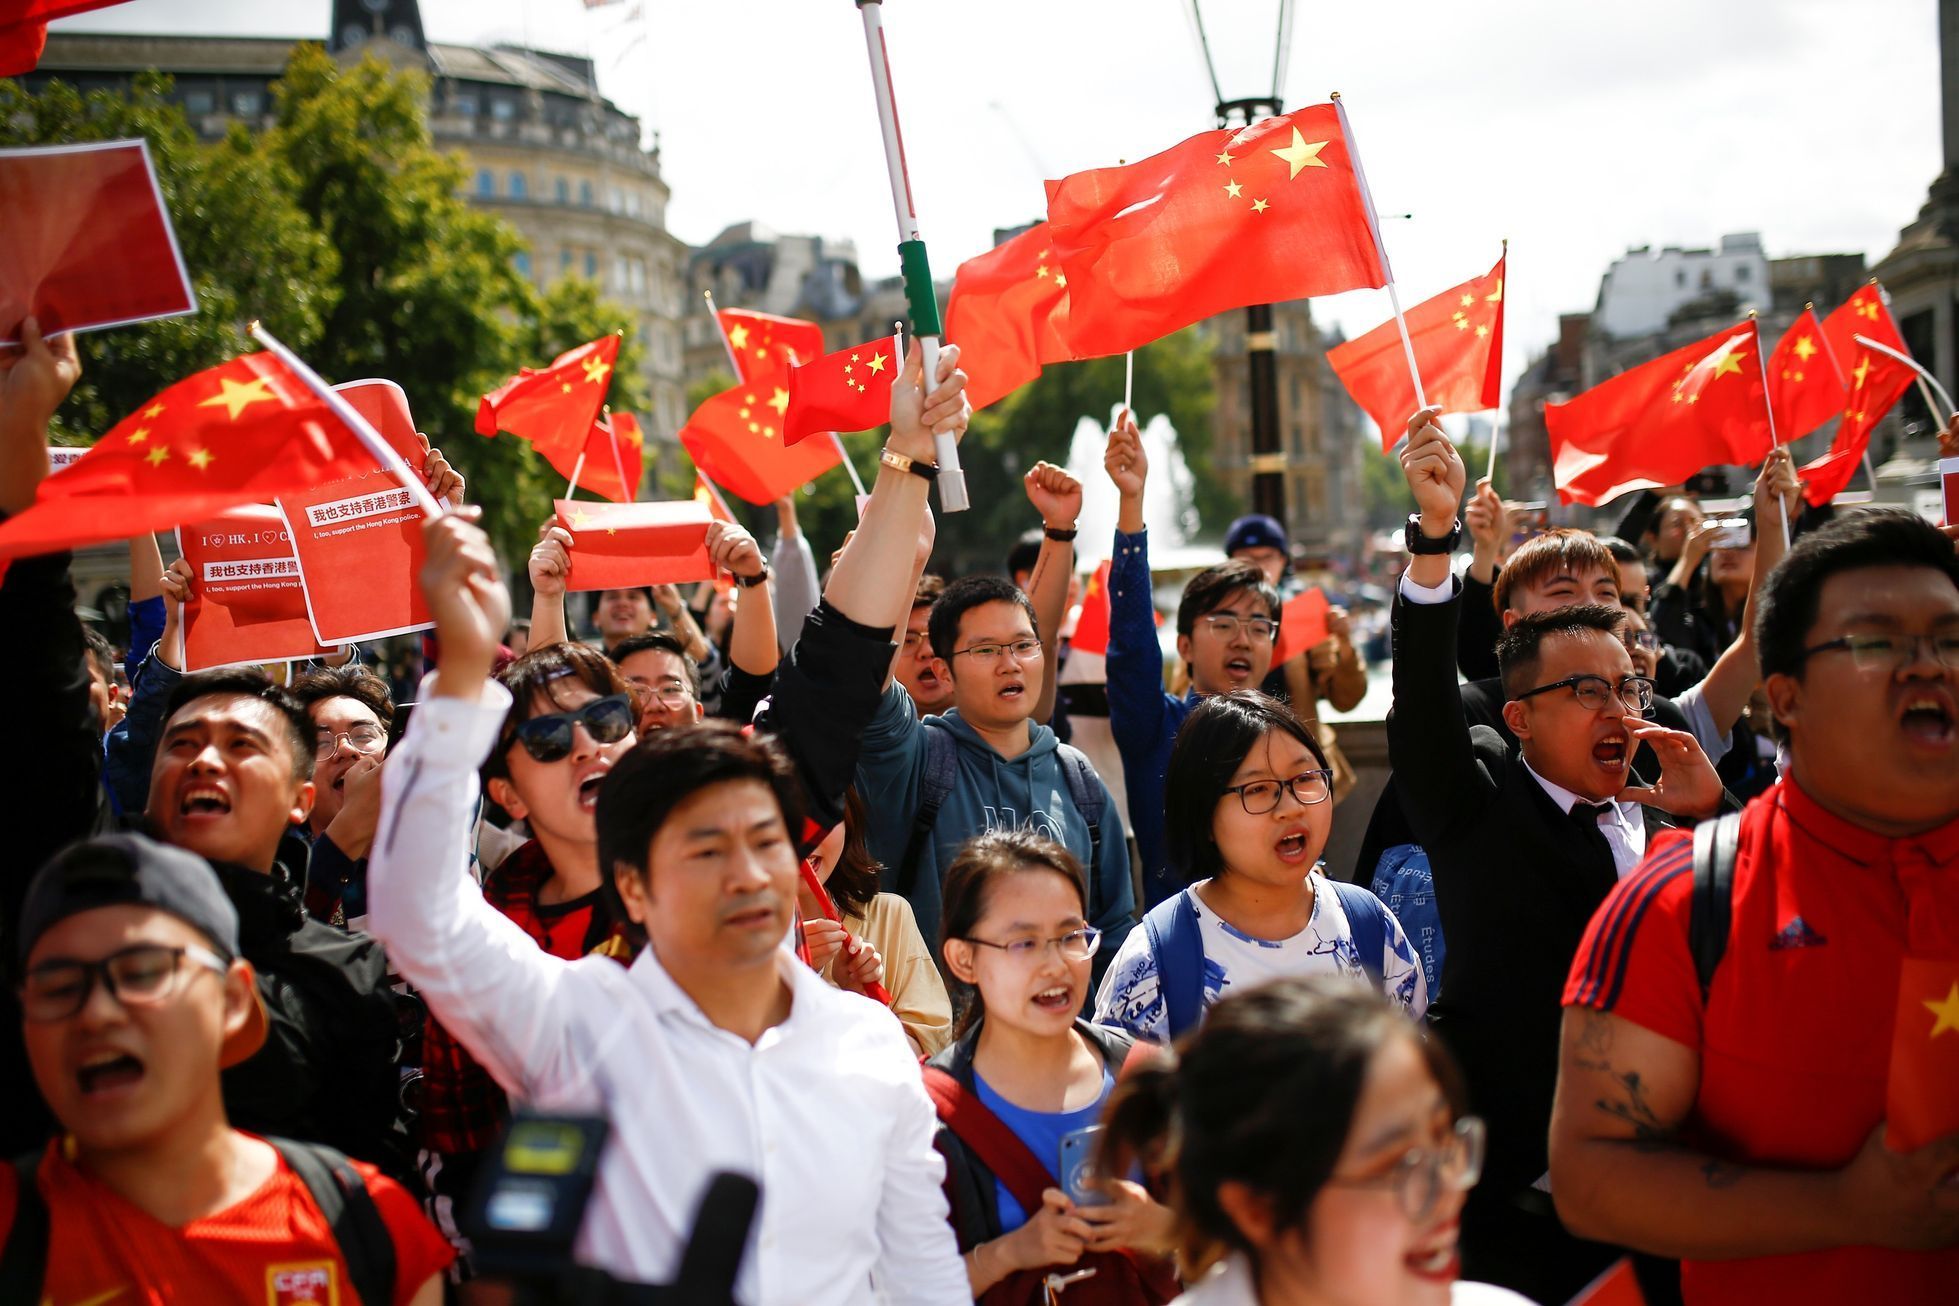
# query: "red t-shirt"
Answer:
x=273 y=1247
x=1795 y=1039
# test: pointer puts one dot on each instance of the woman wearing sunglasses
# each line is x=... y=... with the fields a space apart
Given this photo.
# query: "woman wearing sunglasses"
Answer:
x=1249 y=810
x=1314 y=1149
x=1025 y=1077
x=571 y=717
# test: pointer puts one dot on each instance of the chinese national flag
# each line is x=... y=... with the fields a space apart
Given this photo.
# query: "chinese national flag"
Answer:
x=849 y=390
x=614 y=458
x=1922 y=1093
x=717 y=508
x=1863 y=314
x=242 y=432
x=24 y=30
x=553 y=407
x=619 y=545
x=735 y=438
x=1302 y=625
x=1805 y=385
x=1255 y=215
x=1876 y=383
x=1092 y=625
x=1009 y=315
x=765 y=345
x=1700 y=406
x=1458 y=339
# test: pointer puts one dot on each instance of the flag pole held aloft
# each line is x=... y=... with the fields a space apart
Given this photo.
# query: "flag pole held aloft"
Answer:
x=1768 y=406
x=1912 y=363
x=1380 y=247
x=382 y=452
x=920 y=298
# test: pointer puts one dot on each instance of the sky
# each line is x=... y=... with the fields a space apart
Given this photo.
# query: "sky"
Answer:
x=1575 y=129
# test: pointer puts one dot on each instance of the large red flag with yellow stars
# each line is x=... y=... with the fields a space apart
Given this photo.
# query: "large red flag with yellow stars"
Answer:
x=242 y=432
x=1806 y=388
x=1255 y=215
x=1876 y=383
x=849 y=390
x=735 y=438
x=553 y=407
x=1458 y=339
x=613 y=457
x=1009 y=315
x=1704 y=405
x=1922 y=1091
x=765 y=346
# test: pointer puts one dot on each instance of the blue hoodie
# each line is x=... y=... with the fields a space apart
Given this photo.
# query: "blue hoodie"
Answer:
x=990 y=792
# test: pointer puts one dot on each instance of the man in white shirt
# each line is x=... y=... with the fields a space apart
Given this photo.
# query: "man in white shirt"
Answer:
x=716 y=1049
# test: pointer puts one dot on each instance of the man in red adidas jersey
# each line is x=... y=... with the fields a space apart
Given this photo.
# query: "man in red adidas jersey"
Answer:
x=1741 y=1129
x=133 y=996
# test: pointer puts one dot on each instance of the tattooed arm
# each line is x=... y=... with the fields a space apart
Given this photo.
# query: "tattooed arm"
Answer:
x=1619 y=1175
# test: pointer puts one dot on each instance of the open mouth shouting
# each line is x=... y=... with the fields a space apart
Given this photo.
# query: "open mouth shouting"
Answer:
x=201 y=800
x=1013 y=691
x=107 y=1072
x=1294 y=846
x=1613 y=753
x=1437 y=1259
x=1928 y=717
x=1058 y=999
x=1238 y=669
x=588 y=786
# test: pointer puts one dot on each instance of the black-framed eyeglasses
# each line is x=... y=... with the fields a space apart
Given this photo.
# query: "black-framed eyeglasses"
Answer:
x=1423 y=1174
x=142 y=975
x=1225 y=626
x=607 y=720
x=1075 y=945
x=1260 y=796
x=362 y=739
x=1892 y=652
x=1595 y=692
x=1023 y=650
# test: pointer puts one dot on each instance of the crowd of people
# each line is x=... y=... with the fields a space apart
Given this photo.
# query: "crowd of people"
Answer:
x=821 y=882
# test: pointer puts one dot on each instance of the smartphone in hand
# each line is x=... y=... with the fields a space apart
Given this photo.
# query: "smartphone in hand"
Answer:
x=1078 y=1177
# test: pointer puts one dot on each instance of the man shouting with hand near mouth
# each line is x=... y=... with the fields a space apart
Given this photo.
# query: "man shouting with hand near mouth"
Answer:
x=1525 y=841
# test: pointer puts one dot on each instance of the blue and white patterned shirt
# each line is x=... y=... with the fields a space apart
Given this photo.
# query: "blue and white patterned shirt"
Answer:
x=1131 y=997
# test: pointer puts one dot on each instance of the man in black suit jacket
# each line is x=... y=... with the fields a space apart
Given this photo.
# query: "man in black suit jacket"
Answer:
x=1517 y=873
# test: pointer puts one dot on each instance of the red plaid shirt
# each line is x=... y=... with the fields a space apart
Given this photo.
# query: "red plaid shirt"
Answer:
x=463 y=1108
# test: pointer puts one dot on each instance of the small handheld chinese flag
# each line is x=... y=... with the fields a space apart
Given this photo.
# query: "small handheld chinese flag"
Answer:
x=553 y=407
x=1922 y=1093
x=849 y=390
x=24 y=30
x=1805 y=386
x=1302 y=621
x=1703 y=405
x=1253 y=215
x=1458 y=340
x=1092 y=625
x=765 y=345
x=619 y=545
x=1877 y=382
x=1009 y=315
x=735 y=438
x=241 y=432
x=716 y=508
x=1864 y=314
x=614 y=458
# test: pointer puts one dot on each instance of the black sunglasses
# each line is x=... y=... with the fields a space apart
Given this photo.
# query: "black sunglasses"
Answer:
x=607 y=720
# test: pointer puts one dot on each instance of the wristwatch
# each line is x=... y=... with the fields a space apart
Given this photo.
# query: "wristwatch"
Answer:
x=750 y=582
x=1420 y=542
x=898 y=462
x=1060 y=536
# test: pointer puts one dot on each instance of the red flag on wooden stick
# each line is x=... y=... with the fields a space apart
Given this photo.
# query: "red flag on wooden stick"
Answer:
x=619 y=545
x=1703 y=405
x=1253 y=215
x=242 y=432
x=553 y=407
x=1009 y=315
x=1458 y=339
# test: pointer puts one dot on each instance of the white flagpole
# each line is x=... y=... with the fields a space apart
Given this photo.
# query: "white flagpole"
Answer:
x=1762 y=370
x=618 y=461
x=577 y=470
x=1496 y=419
x=920 y=297
x=370 y=439
x=720 y=331
x=1923 y=376
x=1380 y=247
x=1128 y=381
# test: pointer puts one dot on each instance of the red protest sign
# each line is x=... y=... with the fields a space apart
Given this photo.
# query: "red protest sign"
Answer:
x=89 y=243
x=246 y=604
x=359 y=539
x=1302 y=625
x=615 y=545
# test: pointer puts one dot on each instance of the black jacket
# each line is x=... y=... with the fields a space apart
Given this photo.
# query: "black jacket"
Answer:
x=969 y=1185
x=1516 y=882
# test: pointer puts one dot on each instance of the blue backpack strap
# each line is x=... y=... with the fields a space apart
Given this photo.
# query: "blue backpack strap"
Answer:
x=1178 y=946
x=1085 y=787
x=934 y=786
x=1367 y=917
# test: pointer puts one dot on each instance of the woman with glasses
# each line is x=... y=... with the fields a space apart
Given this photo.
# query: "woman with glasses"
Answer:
x=1025 y=1076
x=1248 y=813
x=1314 y=1148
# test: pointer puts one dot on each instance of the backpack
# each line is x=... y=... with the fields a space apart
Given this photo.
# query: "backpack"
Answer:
x=942 y=770
x=1717 y=845
x=1120 y=1278
x=335 y=1186
x=1405 y=883
x=1177 y=946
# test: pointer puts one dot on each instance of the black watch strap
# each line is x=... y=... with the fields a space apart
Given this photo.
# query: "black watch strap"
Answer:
x=1420 y=542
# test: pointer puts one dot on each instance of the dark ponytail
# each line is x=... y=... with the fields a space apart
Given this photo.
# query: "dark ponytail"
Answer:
x=969 y=881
